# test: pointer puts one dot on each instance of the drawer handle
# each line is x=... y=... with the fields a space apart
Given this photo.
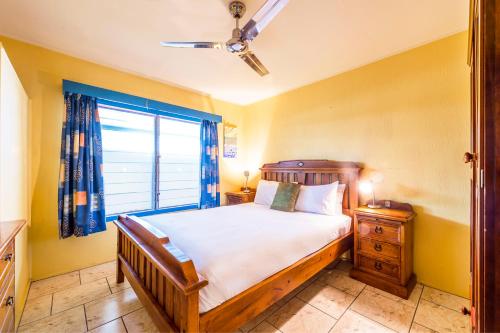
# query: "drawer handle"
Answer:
x=377 y=247
x=378 y=266
x=7 y=257
x=10 y=301
x=378 y=229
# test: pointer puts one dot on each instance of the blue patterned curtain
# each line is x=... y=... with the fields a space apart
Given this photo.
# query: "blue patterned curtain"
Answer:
x=81 y=190
x=210 y=193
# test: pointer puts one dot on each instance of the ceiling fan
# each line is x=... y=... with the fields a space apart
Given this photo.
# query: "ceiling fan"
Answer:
x=238 y=44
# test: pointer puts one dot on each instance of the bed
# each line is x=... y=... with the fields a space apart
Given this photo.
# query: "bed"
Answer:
x=213 y=270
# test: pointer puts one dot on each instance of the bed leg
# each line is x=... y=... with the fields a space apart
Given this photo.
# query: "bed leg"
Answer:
x=351 y=254
x=119 y=273
x=190 y=308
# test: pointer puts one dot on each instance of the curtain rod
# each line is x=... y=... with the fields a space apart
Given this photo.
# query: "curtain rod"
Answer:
x=141 y=102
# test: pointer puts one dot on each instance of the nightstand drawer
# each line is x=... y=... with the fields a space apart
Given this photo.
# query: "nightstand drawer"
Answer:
x=378 y=248
x=378 y=266
x=234 y=200
x=378 y=229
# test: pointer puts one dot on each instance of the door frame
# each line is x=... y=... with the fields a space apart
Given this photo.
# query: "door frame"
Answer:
x=484 y=58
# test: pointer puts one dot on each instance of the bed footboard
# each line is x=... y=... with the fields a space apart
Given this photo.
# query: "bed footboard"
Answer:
x=164 y=279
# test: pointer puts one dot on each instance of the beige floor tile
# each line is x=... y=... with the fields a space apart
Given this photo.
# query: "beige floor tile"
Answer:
x=116 y=287
x=265 y=327
x=252 y=323
x=139 y=322
x=341 y=280
x=326 y=298
x=440 y=318
x=54 y=284
x=443 y=298
x=111 y=307
x=82 y=294
x=72 y=320
x=116 y=326
x=416 y=328
x=411 y=301
x=36 y=308
x=98 y=272
x=354 y=322
x=395 y=315
x=297 y=316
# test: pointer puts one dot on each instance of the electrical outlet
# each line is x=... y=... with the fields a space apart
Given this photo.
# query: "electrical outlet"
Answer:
x=387 y=204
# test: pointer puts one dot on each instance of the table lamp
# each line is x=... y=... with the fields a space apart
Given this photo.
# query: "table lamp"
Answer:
x=246 y=173
x=367 y=188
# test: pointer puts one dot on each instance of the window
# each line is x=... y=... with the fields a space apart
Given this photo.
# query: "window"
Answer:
x=151 y=162
x=179 y=147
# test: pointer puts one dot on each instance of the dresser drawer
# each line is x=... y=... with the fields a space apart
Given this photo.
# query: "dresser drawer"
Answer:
x=7 y=302
x=378 y=266
x=6 y=260
x=378 y=229
x=377 y=248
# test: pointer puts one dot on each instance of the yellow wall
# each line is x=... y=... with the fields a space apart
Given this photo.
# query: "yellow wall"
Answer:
x=41 y=72
x=406 y=116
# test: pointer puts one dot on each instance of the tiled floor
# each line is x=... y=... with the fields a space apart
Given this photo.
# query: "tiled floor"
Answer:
x=90 y=300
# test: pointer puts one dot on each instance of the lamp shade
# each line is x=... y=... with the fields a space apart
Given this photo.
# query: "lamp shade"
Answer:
x=366 y=187
x=246 y=173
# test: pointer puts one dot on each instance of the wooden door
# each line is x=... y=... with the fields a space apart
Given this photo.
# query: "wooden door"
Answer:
x=484 y=159
x=472 y=158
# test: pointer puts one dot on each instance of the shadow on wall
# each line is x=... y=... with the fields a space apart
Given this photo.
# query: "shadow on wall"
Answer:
x=441 y=250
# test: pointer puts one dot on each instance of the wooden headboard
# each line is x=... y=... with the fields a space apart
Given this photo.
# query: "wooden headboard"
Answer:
x=318 y=172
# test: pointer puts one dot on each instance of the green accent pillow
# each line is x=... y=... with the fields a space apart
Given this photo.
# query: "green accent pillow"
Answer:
x=286 y=197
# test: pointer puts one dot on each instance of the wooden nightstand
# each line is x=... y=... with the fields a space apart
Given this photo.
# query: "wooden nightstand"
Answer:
x=383 y=248
x=236 y=198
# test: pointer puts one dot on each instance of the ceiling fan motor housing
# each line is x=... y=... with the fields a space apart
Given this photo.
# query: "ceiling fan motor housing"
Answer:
x=237 y=9
x=235 y=44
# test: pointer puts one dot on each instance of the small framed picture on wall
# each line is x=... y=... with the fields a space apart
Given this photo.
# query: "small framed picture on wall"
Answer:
x=230 y=141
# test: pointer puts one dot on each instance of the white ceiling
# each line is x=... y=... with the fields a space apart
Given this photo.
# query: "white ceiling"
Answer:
x=308 y=41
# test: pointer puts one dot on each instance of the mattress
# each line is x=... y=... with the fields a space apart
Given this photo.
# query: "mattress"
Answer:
x=236 y=247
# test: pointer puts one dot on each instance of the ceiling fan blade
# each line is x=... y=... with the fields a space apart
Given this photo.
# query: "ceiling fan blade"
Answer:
x=254 y=62
x=195 y=45
x=262 y=18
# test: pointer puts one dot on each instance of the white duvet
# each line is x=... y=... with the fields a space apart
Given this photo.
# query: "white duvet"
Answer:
x=235 y=247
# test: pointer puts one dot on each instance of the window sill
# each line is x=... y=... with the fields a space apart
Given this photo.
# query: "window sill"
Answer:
x=111 y=218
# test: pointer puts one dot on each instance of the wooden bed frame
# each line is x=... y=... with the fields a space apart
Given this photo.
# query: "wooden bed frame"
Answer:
x=167 y=283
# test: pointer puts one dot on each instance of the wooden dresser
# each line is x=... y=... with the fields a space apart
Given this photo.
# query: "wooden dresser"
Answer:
x=239 y=197
x=383 y=248
x=8 y=231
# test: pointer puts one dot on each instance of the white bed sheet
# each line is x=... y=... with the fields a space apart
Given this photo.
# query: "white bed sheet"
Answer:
x=235 y=247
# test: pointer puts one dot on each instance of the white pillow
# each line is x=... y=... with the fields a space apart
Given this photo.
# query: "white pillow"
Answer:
x=320 y=199
x=266 y=190
x=340 y=198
